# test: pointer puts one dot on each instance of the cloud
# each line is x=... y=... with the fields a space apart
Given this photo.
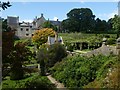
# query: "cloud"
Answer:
x=27 y=20
x=111 y=15
x=107 y=16
x=55 y=18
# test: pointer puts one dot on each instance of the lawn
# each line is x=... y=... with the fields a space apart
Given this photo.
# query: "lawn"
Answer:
x=30 y=81
x=81 y=37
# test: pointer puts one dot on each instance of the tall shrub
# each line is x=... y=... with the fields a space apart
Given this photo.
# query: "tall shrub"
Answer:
x=40 y=36
x=18 y=56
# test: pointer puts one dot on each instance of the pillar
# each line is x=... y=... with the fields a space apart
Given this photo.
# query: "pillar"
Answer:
x=104 y=41
x=118 y=48
x=118 y=54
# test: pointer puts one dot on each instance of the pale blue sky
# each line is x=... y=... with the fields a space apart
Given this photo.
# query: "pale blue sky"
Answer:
x=28 y=10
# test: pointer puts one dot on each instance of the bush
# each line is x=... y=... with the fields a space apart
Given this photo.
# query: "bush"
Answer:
x=78 y=71
x=56 y=53
x=40 y=36
x=111 y=41
x=48 y=57
x=31 y=82
x=17 y=58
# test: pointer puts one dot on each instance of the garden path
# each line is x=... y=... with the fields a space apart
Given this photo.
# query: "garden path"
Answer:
x=57 y=84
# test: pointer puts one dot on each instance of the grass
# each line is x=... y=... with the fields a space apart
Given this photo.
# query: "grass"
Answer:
x=30 y=81
x=81 y=37
x=81 y=52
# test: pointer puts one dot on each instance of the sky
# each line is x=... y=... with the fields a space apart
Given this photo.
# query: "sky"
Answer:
x=27 y=11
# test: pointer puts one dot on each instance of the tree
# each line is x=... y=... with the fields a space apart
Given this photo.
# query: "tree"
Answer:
x=110 y=24
x=79 y=20
x=42 y=59
x=116 y=24
x=101 y=25
x=48 y=24
x=40 y=36
x=5 y=5
x=49 y=55
x=56 y=53
x=7 y=45
x=17 y=58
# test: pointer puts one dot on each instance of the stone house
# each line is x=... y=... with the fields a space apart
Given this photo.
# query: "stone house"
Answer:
x=37 y=22
x=13 y=22
x=26 y=29
x=57 y=24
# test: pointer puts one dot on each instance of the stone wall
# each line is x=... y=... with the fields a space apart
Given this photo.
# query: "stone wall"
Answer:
x=104 y=50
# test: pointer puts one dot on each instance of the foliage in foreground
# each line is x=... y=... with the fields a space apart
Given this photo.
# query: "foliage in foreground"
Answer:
x=79 y=71
x=33 y=81
x=48 y=56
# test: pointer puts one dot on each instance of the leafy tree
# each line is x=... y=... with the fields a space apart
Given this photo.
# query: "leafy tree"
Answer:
x=40 y=36
x=7 y=41
x=42 y=58
x=48 y=24
x=116 y=24
x=79 y=20
x=48 y=57
x=110 y=24
x=101 y=25
x=56 y=53
x=5 y=5
x=17 y=58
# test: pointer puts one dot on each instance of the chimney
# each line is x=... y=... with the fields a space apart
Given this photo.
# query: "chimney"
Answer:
x=41 y=14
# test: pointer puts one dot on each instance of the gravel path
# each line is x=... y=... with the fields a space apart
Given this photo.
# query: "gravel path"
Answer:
x=57 y=84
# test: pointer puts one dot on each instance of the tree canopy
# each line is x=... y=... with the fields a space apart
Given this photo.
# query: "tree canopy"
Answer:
x=40 y=36
x=116 y=24
x=79 y=19
x=48 y=24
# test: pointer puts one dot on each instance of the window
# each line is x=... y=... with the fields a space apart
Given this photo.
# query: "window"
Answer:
x=21 y=29
x=27 y=34
x=27 y=29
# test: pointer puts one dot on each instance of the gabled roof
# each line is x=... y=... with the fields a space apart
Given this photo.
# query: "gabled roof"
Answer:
x=25 y=24
x=55 y=22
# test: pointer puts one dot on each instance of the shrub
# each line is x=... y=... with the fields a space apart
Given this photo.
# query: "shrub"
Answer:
x=56 y=53
x=42 y=58
x=111 y=41
x=78 y=71
x=48 y=57
x=31 y=82
x=40 y=36
x=18 y=56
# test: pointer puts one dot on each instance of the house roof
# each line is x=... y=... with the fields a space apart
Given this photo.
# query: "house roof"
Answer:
x=25 y=24
x=55 y=22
